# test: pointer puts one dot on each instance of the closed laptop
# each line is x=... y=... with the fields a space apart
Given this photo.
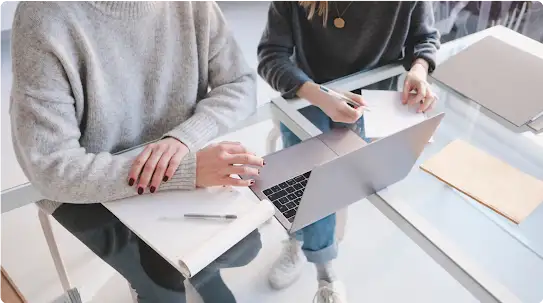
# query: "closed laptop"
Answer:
x=500 y=77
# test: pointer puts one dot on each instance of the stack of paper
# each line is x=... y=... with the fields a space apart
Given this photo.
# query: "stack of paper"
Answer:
x=387 y=114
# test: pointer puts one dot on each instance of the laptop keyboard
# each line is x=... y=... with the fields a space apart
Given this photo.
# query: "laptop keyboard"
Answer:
x=286 y=196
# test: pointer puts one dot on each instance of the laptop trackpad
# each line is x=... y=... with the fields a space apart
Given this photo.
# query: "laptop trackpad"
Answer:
x=291 y=162
x=342 y=140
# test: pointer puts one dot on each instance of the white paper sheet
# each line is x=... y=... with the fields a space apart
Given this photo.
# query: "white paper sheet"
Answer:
x=387 y=114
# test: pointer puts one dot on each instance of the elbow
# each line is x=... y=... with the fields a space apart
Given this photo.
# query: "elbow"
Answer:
x=50 y=190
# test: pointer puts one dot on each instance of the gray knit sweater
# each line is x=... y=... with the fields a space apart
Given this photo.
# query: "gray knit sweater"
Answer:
x=93 y=79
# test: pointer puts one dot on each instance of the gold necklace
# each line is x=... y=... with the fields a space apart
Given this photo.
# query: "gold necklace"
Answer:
x=339 y=22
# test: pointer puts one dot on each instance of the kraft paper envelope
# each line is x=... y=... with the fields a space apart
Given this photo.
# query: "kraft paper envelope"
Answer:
x=490 y=181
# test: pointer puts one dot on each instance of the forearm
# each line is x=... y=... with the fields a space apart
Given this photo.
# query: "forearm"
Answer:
x=275 y=50
x=423 y=40
x=46 y=142
x=276 y=68
x=221 y=109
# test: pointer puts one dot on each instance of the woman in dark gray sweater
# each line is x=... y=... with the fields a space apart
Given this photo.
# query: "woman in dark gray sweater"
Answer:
x=311 y=42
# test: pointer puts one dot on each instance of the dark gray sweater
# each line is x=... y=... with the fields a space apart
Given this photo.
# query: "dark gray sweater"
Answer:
x=294 y=50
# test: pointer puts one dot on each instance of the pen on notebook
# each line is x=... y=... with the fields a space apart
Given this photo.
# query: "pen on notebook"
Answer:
x=201 y=216
x=207 y=216
x=341 y=97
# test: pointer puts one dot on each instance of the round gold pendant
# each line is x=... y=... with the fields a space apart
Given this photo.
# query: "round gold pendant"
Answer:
x=339 y=22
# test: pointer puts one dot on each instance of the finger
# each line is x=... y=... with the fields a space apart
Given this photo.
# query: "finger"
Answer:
x=356 y=98
x=160 y=169
x=149 y=168
x=248 y=159
x=428 y=101
x=173 y=165
x=230 y=143
x=229 y=181
x=235 y=149
x=350 y=114
x=419 y=97
x=406 y=91
x=241 y=170
x=138 y=164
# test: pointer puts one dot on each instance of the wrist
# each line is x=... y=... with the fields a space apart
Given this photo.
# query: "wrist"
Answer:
x=182 y=146
x=420 y=65
x=310 y=91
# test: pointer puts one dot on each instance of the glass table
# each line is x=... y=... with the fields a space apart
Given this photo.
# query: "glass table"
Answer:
x=495 y=259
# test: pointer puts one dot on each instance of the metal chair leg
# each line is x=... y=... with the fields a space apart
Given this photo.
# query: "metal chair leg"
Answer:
x=53 y=249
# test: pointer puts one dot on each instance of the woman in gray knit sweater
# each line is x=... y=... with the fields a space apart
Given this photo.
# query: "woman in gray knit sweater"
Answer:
x=92 y=79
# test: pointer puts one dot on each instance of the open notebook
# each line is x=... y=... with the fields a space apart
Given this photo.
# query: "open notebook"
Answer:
x=191 y=244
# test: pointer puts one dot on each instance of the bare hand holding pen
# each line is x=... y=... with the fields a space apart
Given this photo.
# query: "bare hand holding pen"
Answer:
x=338 y=110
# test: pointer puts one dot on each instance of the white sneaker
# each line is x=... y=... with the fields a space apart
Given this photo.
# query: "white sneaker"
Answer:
x=288 y=267
x=330 y=293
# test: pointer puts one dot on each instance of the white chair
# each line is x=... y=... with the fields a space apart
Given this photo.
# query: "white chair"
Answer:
x=47 y=229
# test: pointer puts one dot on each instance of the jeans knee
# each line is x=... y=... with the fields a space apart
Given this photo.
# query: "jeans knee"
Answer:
x=320 y=234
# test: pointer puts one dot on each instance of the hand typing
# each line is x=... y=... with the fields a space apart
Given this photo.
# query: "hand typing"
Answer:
x=217 y=162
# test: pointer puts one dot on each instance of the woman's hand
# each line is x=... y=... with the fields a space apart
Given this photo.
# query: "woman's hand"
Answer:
x=217 y=162
x=156 y=163
x=338 y=110
x=415 y=81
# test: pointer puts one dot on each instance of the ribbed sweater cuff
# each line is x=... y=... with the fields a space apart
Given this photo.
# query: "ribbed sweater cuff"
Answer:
x=185 y=176
x=195 y=132
x=298 y=79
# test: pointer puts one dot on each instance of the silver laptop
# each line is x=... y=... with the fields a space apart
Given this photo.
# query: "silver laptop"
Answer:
x=502 y=78
x=317 y=177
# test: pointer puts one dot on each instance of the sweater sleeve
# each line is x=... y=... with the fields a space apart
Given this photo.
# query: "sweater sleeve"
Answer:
x=275 y=50
x=232 y=94
x=44 y=124
x=423 y=38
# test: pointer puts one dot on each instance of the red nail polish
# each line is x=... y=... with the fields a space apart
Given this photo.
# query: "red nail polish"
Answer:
x=131 y=182
x=252 y=182
x=152 y=189
x=140 y=190
x=264 y=163
x=165 y=179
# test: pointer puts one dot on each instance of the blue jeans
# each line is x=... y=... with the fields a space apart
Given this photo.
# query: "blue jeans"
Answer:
x=318 y=238
x=152 y=277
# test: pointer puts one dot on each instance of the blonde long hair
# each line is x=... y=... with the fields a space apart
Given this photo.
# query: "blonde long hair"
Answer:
x=321 y=7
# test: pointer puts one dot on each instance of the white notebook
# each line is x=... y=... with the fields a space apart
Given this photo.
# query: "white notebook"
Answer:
x=191 y=244
x=387 y=114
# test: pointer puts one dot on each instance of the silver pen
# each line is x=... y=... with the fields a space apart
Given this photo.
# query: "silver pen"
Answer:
x=201 y=216
x=341 y=97
x=207 y=216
